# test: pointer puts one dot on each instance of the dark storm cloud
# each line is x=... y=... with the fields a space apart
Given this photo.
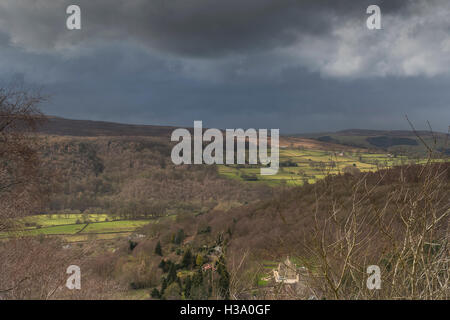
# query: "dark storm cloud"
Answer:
x=327 y=36
x=296 y=65
x=297 y=101
x=187 y=27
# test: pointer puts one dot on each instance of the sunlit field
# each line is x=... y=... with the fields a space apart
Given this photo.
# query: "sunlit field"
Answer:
x=298 y=167
x=76 y=227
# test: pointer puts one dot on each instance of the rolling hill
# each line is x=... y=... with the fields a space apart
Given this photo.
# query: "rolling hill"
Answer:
x=351 y=139
x=88 y=128
x=400 y=141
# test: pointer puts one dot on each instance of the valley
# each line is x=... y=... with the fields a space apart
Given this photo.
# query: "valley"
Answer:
x=144 y=228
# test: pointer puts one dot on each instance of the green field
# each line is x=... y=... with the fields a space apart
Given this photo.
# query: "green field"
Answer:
x=76 y=227
x=300 y=166
x=48 y=220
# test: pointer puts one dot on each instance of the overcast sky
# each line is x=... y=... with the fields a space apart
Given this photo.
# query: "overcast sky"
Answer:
x=300 y=66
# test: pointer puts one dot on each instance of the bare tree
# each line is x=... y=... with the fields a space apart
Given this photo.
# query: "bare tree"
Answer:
x=33 y=267
x=20 y=167
x=407 y=237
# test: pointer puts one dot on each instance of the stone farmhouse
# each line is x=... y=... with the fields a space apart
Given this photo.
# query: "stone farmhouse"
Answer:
x=286 y=272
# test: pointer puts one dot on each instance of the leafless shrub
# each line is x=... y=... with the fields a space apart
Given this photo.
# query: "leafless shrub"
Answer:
x=30 y=267
x=21 y=187
x=407 y=237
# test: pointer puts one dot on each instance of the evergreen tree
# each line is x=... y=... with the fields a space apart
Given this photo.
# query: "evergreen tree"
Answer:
x=197 y=279
x=187 y=287
x=224 y=278
x=132 y=245
x=172 y=276
x=179 y=237
x=187 y=259
x=155 y=294
x=163 y=286
x=198 y=290
x=163 y=265
x=158 y=249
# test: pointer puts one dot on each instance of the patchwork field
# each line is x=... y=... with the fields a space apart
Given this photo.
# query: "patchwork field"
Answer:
x=77 y=227
x=300 y=166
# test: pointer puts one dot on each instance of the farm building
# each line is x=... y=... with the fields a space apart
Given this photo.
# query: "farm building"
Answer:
x=286 y=272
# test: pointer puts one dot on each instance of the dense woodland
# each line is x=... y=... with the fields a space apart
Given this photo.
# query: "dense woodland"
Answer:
x=133 y=177
x=379 y=211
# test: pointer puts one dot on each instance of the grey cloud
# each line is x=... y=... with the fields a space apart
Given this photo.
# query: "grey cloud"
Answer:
x=327 y=36
x=105 y=85
x=187 y=27
x=297 y=65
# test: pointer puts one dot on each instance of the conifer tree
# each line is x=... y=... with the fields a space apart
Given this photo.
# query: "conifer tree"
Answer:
x=224 y=278
x=158 y=249
x=187 y=259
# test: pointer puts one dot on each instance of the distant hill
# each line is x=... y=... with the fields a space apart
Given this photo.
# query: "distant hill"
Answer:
x=392 y=141
x=88 y=128
x=393 y=133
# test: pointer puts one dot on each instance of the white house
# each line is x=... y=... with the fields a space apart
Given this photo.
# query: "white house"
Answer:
x=286 y=272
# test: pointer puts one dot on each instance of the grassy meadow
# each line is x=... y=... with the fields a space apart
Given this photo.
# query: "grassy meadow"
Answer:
x=75 y=227
x=300 y=166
